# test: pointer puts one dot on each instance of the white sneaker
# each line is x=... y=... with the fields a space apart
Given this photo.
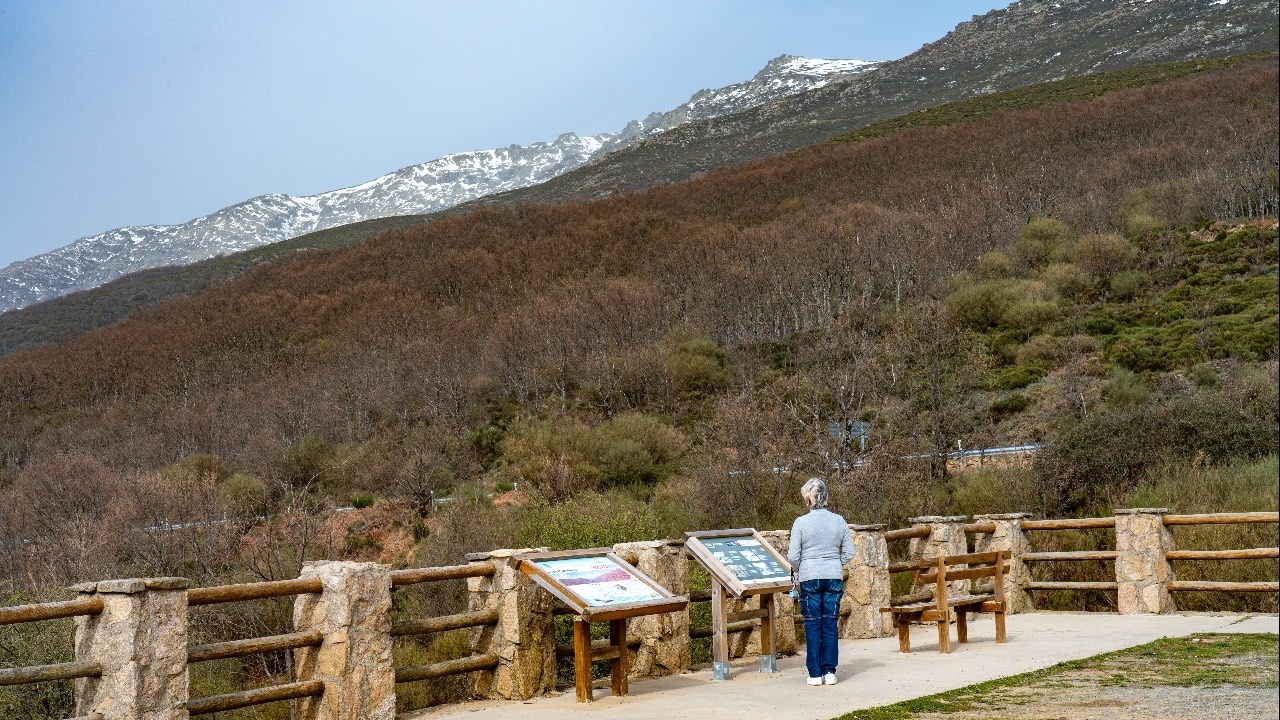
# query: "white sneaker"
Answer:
x=815 y=681
x=828 y=679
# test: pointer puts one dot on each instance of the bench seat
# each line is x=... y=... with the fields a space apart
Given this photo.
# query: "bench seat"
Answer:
x=944 y=606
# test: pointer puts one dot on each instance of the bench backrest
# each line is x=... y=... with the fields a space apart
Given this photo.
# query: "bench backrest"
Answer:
x=940 y=571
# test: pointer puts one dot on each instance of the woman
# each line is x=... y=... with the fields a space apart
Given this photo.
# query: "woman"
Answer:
x=820 y=547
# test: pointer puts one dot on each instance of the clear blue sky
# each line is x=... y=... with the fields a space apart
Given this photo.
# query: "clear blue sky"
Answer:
x=135 y=112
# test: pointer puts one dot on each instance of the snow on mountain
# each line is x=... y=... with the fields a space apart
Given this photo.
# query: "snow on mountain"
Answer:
x=426 y=188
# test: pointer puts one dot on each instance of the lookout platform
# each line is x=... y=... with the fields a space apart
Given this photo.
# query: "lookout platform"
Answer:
x=872 y=672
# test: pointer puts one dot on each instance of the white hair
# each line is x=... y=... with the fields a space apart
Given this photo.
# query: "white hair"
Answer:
x=815 y=491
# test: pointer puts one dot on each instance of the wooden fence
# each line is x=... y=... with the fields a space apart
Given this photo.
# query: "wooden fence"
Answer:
x=926 y=537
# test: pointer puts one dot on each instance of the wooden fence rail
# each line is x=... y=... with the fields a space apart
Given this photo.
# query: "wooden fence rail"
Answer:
x=1222 y=518
x=413 y=576
x=1219 y=586
x=241 y=648
x=1069 y=524
x=422 y=626
x=50 y=610
x=42 y=673
x=253 y=591
x=473 y=663
x=259 y=696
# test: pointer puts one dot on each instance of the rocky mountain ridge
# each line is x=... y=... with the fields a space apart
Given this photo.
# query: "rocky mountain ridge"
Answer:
x=418 y=189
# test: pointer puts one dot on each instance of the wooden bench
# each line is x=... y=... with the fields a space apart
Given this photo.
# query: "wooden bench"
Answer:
x=941 y=608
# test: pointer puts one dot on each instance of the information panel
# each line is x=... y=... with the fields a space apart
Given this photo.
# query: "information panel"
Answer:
x=598 y=580
x=746 y=558
x=740 y=560
x=597 y=584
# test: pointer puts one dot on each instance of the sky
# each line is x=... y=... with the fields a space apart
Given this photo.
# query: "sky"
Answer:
x=147 y=112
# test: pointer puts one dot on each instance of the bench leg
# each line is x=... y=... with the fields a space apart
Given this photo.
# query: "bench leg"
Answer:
x=962 y=626
x=904 y=634
x=944 y=636
x=999 y=627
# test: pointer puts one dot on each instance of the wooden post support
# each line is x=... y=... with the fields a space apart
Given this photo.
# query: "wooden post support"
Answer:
x=944 y=627
x=719 y=632
x=618 y=666
x=582 y=659
x=768 y=653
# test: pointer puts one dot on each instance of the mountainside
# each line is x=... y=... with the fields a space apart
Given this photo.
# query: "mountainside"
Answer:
x=1029 y=42
x=418 y=189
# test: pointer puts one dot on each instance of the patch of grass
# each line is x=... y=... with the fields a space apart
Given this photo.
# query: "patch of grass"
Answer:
x=1201 y=660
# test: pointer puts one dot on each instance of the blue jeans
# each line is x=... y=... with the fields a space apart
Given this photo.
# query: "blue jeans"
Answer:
x=820 y=605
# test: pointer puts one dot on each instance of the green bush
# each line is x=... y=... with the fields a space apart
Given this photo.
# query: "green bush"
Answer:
x=1104 y=255
x=564 y=456
x=1126 y=285
x=700 y=367
x=360 y=502
x=1125 y=389
x=1019 y=376
x=1010 y=405
x=1065 y=278
x=1040 y=240
x=1101 y=457
x=590 y=520
x=986 y=304
x=995 y=265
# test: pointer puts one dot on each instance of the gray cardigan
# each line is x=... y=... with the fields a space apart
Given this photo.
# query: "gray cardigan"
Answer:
x=820 y=545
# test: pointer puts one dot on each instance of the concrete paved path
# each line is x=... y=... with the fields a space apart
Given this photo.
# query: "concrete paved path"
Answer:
x=872 y=672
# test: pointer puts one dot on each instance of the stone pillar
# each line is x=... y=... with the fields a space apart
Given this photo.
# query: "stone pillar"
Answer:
x=1142 y=570
x=140 y=640
x=353 y=613
x=946 y=537
x=524 y=638
x=1009 y=536
x=664 y=638
x=866 y=587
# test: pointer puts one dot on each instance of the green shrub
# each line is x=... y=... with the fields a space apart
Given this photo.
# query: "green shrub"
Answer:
x=1031 y=315
x=1066 y=279
x=1040 y=240
x=700 y=367
x=1204 y=375
x=995 y=264
x=1104 y=255
x=1126 y=285
x=1011 y=404
x=991 y=303
x=1019 y=376
x=1101 y=457
x=590 y=520
x=360 y=502
x=564 y=456
x=1125 y=389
